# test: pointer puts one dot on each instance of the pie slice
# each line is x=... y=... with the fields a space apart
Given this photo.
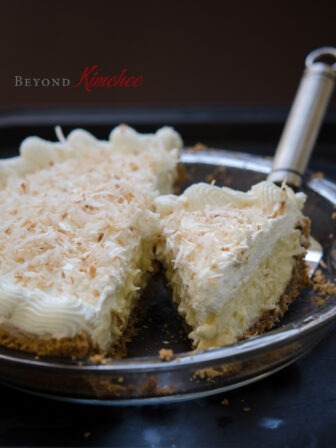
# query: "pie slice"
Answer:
x=76 y=237
x=234 y=260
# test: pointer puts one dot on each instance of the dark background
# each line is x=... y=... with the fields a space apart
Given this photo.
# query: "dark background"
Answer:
x=213 y=53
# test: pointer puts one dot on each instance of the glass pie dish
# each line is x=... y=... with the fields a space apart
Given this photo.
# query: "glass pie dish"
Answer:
x=142 y=377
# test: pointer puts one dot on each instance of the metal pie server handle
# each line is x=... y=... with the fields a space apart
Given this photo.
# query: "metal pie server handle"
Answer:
x=305 y=118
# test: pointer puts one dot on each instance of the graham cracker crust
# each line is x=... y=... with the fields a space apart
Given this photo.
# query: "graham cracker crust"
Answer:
x=80 y=346
x=77 y=347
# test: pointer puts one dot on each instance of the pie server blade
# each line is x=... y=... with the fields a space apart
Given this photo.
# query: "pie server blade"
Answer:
x=314 y=255
x=302 y=127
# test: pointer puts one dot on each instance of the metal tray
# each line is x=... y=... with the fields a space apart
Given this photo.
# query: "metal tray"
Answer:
x=142 y=378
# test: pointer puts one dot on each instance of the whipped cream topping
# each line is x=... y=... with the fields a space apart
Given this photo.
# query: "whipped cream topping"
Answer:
x=215 y=241
x=75 y=218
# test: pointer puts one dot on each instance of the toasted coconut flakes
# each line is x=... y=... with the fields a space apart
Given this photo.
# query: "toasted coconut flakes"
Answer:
x=92 y=271
x=53 y=228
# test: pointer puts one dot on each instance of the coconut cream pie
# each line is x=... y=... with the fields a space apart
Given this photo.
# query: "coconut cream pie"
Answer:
x=82 y=221
x=77 y=232
x=234 y=260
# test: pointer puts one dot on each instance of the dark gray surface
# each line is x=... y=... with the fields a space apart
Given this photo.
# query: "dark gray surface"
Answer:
x=294 y=408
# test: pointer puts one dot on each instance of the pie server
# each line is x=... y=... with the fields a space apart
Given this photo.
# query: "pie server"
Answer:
x=302 y=127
